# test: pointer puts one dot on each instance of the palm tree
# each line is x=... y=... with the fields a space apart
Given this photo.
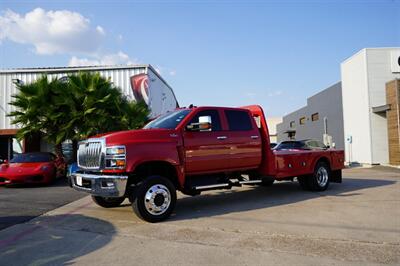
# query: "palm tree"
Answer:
x=97 y=106
x=37 y=112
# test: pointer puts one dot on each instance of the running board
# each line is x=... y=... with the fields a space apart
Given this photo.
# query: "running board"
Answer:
x=226 y=185
x=249 y=182
x=214 y=186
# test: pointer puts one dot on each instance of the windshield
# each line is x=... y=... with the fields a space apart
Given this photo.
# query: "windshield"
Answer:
x=287 y=145
x=169 y=120
x=32 y=158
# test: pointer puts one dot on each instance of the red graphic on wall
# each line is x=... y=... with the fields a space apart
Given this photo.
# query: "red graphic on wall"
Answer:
x=140 y=87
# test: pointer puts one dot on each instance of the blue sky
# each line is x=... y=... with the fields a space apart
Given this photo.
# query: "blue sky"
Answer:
x=226 y=53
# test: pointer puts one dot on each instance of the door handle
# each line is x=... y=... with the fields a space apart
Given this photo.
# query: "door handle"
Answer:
x=222 y=137
x=254 y=137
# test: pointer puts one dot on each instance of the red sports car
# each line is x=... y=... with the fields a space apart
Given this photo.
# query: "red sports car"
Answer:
x=35 y=167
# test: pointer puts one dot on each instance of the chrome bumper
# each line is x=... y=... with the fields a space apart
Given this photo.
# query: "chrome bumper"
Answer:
x=100 y=185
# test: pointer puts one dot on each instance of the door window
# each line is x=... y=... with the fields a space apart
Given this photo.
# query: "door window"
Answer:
x=215 y=121
x=238 y=120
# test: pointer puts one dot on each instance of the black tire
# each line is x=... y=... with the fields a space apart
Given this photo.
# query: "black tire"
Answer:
x=303 y=182
x=317 y=182
x=108 y=202
x=148 y=209
x=267 y=182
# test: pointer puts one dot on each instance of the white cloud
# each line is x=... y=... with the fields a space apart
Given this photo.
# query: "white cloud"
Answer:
x=275 y=93
x=161 y=70
x=119 y=58
x=52 y=32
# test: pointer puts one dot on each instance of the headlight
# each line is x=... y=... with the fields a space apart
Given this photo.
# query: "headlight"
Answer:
x=119 y=150
x=115 y=157
x=44 y=167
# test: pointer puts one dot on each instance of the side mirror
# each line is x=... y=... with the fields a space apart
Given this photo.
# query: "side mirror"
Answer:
x=204 y=124
x=199 y=127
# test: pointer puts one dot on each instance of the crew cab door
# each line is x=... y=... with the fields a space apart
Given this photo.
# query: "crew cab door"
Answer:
x=206 y=150
x=244 y=140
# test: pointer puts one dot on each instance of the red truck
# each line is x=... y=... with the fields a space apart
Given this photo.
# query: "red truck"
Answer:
x=193 y=150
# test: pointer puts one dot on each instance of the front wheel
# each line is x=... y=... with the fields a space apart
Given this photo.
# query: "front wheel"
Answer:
x=108 y=202
x=155 y=199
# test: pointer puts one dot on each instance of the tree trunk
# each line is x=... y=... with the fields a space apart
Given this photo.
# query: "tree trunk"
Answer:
x=74 y=151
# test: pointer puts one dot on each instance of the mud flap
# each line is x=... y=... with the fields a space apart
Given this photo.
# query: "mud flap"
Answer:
x=336 y=176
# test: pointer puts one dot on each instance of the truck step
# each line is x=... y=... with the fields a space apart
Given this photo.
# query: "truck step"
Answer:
x=249 y=182
x=213 y=186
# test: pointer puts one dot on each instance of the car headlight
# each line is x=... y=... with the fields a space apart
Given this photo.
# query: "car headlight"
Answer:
x=115 y=157
x=44 y=168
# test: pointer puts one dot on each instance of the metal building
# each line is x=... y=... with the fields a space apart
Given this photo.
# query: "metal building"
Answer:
x=137 y=82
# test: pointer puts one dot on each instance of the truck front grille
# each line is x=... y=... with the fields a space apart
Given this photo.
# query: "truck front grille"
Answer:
x=90 y=154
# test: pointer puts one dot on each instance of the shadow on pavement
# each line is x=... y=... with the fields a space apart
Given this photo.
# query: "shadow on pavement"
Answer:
x=280 y=193
x=53 y=240
x=60 y=182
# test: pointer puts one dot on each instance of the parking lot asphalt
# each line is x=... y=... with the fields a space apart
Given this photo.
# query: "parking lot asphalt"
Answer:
x=24 y=202
x=353 y=223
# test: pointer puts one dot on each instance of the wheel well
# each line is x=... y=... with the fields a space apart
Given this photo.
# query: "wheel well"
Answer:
x=324 y=160
x=155 y=168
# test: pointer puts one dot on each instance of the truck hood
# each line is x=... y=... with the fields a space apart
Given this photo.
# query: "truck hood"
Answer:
x=140 y=135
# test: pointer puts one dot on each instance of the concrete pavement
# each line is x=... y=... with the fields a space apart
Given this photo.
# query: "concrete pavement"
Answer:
x=21 y=203
x=357 y=222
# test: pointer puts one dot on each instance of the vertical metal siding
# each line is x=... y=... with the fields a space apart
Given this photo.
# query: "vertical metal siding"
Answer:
x=120 y=78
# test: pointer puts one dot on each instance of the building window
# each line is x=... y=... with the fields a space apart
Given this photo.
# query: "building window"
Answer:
x=291 y=124
x=302 y=120
x=315 y=117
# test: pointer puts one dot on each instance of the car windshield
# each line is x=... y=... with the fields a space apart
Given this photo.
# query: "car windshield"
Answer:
x=287 y=145
x=315 y=144
x=169 y=120
x=32 y=158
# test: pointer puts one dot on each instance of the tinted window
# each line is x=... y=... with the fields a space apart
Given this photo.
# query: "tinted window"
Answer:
x=215 y=121
x=32 y=158
x=315 y=144
x=238 y=120
x=286 y=145
x=169 y=120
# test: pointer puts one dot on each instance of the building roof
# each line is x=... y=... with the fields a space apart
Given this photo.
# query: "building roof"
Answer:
x=82 y=68
x=73 y=69
x=366 y=49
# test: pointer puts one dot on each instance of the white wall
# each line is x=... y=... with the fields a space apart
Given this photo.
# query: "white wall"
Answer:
x=356 y=119
x=364 y=76
x=379 y=72
x=327 y=103
x=272 y=122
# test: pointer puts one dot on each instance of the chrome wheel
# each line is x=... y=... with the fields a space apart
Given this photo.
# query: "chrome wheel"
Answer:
x=157 y=199
x=322 y=176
